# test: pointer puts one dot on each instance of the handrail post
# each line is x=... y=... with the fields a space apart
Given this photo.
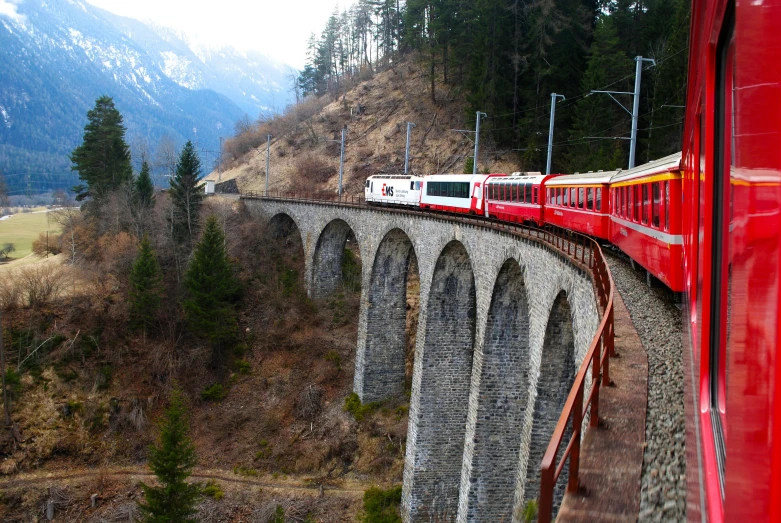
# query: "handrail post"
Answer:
x=595 y=368
x=545 y=508
x=606 y=366
x=573 y=484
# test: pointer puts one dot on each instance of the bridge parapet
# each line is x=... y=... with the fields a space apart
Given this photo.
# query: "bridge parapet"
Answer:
x=486 y=341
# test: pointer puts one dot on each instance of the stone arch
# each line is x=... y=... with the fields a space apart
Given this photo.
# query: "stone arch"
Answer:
x=386 y=320
x=445 y=377
x=328 y=257
x=283 y=225
x=503 y=392
x=557 y=374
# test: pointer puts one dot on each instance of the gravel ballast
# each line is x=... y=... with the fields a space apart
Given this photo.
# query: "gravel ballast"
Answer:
x=658 y=322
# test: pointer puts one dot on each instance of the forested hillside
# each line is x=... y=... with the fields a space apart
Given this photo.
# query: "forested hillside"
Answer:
x=506 y=57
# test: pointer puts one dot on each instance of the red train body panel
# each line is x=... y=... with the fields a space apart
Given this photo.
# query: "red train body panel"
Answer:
x=517 y=198
x=645 y=218
x=731 y=258
x=579 y=202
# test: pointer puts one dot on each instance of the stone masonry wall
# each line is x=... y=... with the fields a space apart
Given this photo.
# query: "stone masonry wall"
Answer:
x=480 y=342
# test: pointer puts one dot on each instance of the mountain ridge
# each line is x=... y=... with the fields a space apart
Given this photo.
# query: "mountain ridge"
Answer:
x=58 y=56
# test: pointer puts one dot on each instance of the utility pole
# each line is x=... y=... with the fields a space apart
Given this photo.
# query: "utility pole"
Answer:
x=477 y=140
x=341 y=162
x=553 y=97
x=268 y=155
x=2 y=371
x=410 y=125
x=219 y=175
x=634 y=113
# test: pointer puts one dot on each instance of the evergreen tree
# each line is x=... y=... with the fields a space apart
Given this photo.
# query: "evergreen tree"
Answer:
x=172 y=460
x=186 y=195
x=597 y=115
x=144 y=188
x=213 y=290
x=145 y=287
x=103 y=158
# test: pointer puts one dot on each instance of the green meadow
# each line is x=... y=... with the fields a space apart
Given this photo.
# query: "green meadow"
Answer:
x=22 y=229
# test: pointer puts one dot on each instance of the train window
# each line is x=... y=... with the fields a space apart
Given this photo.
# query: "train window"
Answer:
x=528 y=198
x=637 y=202
x=536 y=195
x=581 y=197
x=516 y=192
x=723 y=244
x=565 y=192
x=590 y=198
x=666 y=206
x=645 y=203
x=656 y=203
x=411 y=186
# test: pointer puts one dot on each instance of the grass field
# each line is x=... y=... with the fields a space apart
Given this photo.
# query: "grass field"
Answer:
x=23 y=229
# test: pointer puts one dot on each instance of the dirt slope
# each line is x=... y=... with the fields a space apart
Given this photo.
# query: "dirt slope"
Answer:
x=376 y=112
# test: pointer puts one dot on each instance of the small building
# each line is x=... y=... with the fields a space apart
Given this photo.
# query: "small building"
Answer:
x=209 y=187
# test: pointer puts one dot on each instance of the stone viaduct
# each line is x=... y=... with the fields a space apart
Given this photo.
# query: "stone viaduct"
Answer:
x=504 y=324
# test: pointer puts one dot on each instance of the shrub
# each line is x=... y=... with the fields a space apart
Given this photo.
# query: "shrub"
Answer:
x=40 y=284
x=242 y=366
x=241 y=470
x=103 y=379
x=353 y=405
x=334 y=358
x=313 y=167
x=46 y=245
x=381 y=506
x=214 y=393
x=213 y=490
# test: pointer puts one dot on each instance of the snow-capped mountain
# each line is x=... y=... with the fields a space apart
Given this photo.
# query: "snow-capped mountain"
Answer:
x=58 y=56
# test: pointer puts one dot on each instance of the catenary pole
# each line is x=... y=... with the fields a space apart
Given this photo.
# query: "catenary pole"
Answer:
x=634 y=113
x=635 y=110
x=477 y=141
x=410 y=125
x=553 y=97
x=268 y=155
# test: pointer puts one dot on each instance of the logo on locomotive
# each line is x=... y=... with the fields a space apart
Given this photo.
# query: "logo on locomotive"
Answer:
x=387 y=191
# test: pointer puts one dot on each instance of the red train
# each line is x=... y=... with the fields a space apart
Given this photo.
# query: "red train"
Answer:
x=731 y=223
x=707 y=222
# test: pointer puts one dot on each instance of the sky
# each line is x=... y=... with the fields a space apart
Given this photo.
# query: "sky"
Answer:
x=276 y=28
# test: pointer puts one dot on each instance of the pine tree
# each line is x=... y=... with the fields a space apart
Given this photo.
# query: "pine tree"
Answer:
x=172 y=460
x=144 y=188
x=213 y=290
x=103 y=158
x=145 y=287
x=598 y=115
x=186 y=195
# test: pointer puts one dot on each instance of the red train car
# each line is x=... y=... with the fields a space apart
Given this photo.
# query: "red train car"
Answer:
x=518 y=197
x=732 y=260
x=645 y=218
x=579 y=202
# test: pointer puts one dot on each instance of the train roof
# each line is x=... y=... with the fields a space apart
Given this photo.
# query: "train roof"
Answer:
x=662 y=165
x=589 y=178
x=460 y=177
x=531 y=176
x=394 y=177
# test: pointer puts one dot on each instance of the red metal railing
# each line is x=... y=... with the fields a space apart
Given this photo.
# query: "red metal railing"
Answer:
x=586 y=254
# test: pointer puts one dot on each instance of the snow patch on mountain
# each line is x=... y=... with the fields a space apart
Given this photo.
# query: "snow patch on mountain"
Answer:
x=6 y=118
x=180 y=70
